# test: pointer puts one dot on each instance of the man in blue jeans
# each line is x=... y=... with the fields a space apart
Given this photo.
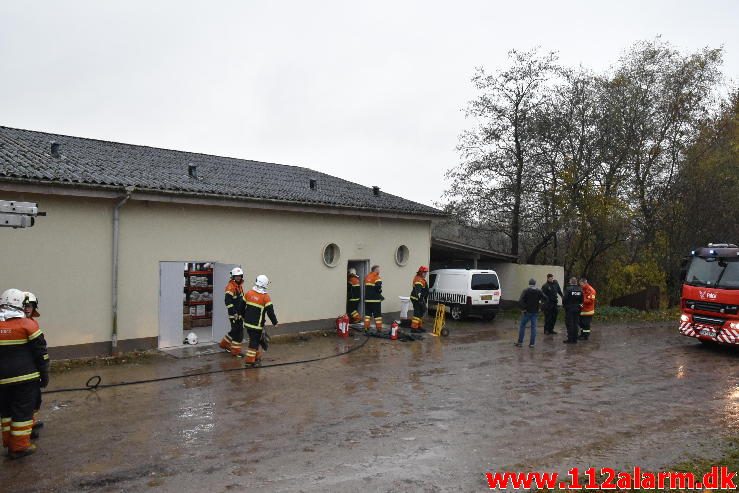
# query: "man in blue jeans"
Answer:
x=529 y=302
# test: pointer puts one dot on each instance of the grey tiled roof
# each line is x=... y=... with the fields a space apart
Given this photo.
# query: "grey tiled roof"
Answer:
x=26 y=156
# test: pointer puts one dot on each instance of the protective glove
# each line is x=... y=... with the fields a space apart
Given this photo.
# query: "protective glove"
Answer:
x=44 y=379
x=264 y=341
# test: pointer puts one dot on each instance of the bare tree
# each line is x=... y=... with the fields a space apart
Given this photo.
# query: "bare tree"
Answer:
x=497 y=169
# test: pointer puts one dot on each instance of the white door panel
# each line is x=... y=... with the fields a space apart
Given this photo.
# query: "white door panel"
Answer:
x=171 y=289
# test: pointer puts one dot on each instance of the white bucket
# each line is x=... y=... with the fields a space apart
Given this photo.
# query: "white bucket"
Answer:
x=405 y=304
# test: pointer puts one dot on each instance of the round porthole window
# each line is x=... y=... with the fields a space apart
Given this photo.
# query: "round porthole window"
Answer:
x=331 y=254
x=401 y=255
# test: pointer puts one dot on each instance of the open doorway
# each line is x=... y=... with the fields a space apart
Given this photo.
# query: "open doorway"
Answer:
x=362 y=267
x=197 y=304
x=189 y=301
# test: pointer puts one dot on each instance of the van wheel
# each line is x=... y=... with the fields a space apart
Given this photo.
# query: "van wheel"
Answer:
x=456 y=312
x=489 y=317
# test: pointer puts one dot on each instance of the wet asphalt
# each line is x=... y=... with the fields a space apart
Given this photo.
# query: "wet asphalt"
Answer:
x=432 y=415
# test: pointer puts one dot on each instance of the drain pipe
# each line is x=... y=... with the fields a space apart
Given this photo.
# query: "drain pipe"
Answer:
x=116 y=227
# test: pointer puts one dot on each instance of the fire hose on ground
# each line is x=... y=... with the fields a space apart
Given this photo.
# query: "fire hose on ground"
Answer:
x=95 y=382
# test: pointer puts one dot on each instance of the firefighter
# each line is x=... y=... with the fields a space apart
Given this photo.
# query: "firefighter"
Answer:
x=234 y=299
x=373 y=299
x=572 y=302
x=257 y=307
x=24 y=366
x=353 y=296
x=588 y=308
x=419 y=295
x=30 y=308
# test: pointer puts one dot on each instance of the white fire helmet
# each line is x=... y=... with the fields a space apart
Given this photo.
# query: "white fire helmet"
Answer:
x=30 y=298
x=13 y=298
x=261 y=283
x=237 y=271
x=352 y=271
x=192 y=338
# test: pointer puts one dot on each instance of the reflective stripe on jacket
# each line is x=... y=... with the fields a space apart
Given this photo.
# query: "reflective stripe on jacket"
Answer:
x=353 y=288
x=23 y=353
x=420 y=289
x=257 y=307
x=372 y=288
x=588 y=300
x=234 y=298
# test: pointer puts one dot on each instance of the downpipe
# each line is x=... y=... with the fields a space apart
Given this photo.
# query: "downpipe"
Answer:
x=116 y=236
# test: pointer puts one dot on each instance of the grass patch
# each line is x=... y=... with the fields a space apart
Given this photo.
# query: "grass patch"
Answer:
x=608 y=314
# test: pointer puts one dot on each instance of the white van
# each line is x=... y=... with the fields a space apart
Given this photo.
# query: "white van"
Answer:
x=465 y=292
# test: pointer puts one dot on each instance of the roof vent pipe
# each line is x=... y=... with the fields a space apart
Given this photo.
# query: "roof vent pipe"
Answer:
x=192 y=170
x=55 y=149
x=313 y=183
x=376 y=190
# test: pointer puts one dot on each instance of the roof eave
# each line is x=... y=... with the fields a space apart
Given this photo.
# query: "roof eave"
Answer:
x=49 y=187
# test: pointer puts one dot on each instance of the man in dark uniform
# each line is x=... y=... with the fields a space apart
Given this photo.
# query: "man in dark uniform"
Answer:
x=550 y=289
x=572 y=303
x=529 y=302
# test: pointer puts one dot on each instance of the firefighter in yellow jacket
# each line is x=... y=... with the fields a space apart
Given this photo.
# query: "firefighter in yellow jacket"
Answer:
x=373 y=298
x=24 y=366
x=257 y=307
x=419 y=294
x=234 y=299
x=353 y=296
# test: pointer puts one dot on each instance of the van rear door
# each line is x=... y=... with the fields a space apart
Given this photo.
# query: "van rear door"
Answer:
x=485 y=288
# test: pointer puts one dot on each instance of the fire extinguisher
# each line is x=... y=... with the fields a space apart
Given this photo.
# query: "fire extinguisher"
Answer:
x=342 y=326
x=394 y=331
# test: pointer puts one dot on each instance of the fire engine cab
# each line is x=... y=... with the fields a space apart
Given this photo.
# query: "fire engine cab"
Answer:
x=710 y=295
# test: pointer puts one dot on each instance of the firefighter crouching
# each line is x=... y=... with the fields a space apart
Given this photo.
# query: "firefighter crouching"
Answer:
x=353 y=296
x=30 y=308
x=24 y=366
x=419 y=295
x=373 y=299
x=588 y=308
x=234 y=299
x=257 y=307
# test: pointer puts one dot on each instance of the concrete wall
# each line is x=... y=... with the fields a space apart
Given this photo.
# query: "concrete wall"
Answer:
x=66 y=260
x=514 y=278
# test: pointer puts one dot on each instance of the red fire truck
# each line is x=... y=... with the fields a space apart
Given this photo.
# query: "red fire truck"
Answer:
x=710 y=298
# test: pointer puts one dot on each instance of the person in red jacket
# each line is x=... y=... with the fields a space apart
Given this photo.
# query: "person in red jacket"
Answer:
x=234 y=300
x=257 y=307
x=588 y=308
x=24 y=366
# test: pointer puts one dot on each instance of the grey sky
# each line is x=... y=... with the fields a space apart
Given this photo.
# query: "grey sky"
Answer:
x=371 y=92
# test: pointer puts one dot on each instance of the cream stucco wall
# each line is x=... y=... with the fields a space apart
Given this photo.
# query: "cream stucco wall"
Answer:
x=72 y=251
x=65 y=260
x=514 y=278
